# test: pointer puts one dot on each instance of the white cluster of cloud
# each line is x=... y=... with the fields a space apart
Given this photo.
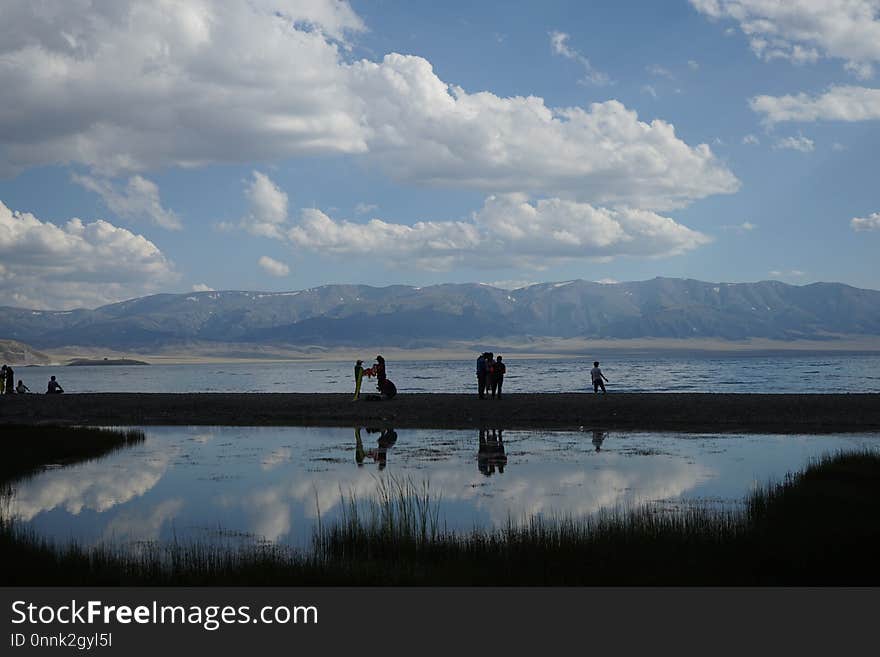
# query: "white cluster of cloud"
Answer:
x=803 y=31
x=509 y=230
x=273 y=267
x=838 y=103
x=799 y=143
x=139 y=200
x=871 y=222
x=135 y=85
x=76 y=265
x=659 y=71
x=559 y=43
x=268 y=207
x=427 y=132
x=132 y=85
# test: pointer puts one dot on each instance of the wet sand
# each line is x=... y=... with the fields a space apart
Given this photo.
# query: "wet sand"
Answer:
x=649 y=412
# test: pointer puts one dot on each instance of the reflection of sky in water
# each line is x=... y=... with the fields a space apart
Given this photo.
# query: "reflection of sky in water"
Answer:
x=220 y=483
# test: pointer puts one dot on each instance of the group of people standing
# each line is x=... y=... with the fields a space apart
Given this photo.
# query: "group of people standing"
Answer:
x=384 y=385
x=490 y=375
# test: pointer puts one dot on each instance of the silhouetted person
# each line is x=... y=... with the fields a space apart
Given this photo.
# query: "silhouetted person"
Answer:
x=491 y=453
x=379 y=369
x=498 y=371
x=389 y=390
x=10 y=380
x=2 y=379
x=54 y=387
x=21 y=388
x=597 y=376
x=386 y=441
x=481 y=375
x=358 y=447
x=358 y=377
x=598 y=439
x=490 y=370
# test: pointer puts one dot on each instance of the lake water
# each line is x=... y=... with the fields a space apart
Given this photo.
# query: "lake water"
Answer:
x=775 y=373
x=229 y=484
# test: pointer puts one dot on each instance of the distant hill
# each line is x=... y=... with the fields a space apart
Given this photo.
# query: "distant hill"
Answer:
x=13 y=352
x=336 y=315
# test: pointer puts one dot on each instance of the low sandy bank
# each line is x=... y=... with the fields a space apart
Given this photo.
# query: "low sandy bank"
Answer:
x=650 y=412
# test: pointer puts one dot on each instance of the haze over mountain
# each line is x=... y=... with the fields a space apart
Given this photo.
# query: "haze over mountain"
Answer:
x=338 y=315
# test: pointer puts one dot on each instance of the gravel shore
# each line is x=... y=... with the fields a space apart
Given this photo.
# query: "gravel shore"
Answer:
x=650 y=412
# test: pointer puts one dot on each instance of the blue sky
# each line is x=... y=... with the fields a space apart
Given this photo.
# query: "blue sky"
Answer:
x=284 y=144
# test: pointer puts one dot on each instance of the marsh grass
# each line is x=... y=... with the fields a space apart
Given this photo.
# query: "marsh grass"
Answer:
x=818 y=526
x=28 y=449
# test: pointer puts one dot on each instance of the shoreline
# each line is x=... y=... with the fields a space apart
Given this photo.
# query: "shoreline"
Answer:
x=685 y=412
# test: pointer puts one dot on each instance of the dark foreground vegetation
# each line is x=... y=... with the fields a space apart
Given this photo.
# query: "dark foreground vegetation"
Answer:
x=818 y=527
x=26 y=449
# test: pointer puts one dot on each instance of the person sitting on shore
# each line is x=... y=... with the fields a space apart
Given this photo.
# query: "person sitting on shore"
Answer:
x=54 y=387
x=597 y=376
x=21 y=388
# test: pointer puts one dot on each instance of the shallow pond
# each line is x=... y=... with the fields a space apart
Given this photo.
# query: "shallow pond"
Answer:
x=229 y=484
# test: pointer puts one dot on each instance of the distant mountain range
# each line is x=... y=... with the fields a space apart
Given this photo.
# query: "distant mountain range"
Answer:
x=398 y=315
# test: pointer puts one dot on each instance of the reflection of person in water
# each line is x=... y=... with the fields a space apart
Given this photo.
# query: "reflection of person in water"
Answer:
x=379 y=454
x=491 y=454
x=358 y=447
x=598 y=438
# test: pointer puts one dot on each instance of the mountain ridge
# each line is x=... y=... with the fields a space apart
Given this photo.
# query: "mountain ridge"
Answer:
x=410 y=316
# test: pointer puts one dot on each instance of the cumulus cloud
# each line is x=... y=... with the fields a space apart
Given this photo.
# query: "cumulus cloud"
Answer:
x=693 y=65
x=559 y=43
x=871 y=222
x=135 y=85
x=751 y=140
x=78 y=264
x=268 y=207
x=508 y=230
x=273 y=267
x=138 y=200
x=802 y=31
x=791 y=273
x=429 y=132
x=365 y=208
x=659 y=71
x=799 y=143
x=744 y=227
x=839 y=103
x=201 y=287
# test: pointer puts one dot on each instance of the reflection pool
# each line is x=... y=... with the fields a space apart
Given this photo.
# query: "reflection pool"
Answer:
x=228 y=484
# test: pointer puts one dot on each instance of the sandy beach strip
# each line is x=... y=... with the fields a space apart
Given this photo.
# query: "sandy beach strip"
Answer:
x=689 y=412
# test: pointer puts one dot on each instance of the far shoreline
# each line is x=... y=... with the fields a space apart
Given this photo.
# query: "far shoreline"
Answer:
x=536 y=349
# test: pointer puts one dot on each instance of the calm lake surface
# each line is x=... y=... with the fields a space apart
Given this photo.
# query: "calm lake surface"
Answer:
x=231 y=484
x=777 y=373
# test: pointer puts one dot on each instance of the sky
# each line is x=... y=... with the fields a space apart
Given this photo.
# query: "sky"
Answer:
x=151 y=146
